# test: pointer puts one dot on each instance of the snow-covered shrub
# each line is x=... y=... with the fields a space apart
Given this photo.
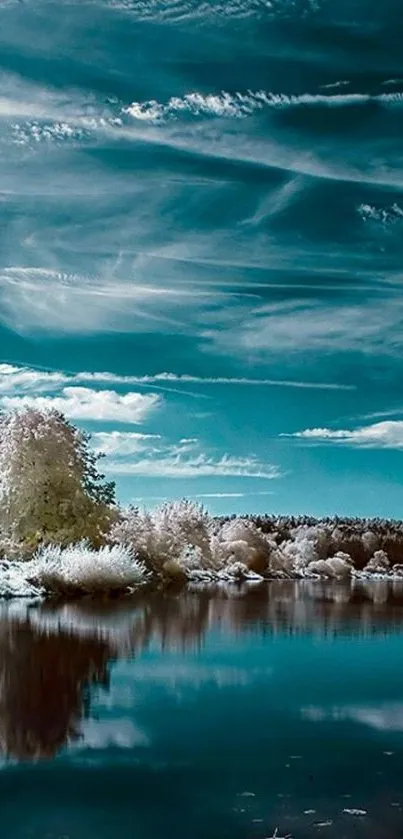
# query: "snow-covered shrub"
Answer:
x=180 y=538
x=78 y=569
x=239 y=572
x=14 y=581
x=241 y=541
x=338 y=566
x=164 y=534
x=301 y=549
x=378 y=564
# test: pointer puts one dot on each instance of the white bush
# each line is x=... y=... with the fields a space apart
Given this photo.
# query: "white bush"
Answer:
x=378 y=564
x=14 y=581
x=166 y=533
x=301 y=549
x=182 y=533
x=337 y=566
x=80 y=569
x=241 y=541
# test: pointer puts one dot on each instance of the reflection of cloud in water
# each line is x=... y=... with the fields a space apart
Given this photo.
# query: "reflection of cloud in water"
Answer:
x=386 y=717
x=101 y=734
x=193 y=675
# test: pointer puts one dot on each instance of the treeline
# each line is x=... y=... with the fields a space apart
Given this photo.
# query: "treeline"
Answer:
x=358 y=537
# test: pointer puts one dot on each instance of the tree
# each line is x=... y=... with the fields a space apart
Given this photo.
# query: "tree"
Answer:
x=50 y=487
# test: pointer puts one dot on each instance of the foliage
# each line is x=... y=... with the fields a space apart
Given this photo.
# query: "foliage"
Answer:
x=164 y=534
x=50 y=488
x=78 y=569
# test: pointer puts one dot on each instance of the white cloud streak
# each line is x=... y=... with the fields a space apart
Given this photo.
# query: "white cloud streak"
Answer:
x=123 y=443
x=202 y=495
x=380 y=435
x=14 y=377
x=43 y=300
x=298 y=326
x=199 y=465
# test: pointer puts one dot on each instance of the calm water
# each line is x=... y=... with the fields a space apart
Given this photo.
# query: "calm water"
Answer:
x=205 y=716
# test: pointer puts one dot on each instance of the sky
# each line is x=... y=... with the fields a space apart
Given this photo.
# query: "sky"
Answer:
x=201 y=221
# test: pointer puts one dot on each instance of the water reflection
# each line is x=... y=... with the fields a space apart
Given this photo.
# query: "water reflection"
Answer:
x=52 y=656
x=45 y=682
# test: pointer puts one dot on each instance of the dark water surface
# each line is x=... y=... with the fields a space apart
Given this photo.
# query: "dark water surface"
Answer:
x=204 y=715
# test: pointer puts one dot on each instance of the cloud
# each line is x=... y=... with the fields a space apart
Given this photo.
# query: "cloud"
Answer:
x=43 y=300
x=27 y=378
x=81 y=403
x=380 y=435
x=176 y=465
x=122 y=442
x=14 y=377
x=241 y=105
x=239 y=380
x=298 y=325
x=150 y=456
x=203 y=495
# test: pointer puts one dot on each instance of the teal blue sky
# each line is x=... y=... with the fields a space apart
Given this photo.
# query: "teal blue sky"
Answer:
x=201 y=220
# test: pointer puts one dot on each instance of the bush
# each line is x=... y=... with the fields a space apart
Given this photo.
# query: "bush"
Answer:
x=79 y=569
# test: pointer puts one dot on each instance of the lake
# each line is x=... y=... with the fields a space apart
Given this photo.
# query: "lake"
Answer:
x=205 y=714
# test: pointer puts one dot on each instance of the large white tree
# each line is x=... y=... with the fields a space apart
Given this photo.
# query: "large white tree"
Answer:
x=50 y=487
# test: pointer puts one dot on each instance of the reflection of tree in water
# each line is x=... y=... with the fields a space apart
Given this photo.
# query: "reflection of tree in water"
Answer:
x=284 y=607
x=179 y=622
x=44 y=687
x=325 y=608
x=50 y=659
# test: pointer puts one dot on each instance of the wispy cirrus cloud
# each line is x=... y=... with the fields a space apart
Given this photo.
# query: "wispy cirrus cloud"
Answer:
x=379 y=435
x=13 y=377
x=43 y=300
x=199 y=465
x=242 y=380
x=200 y=496
x=123 y=443
x=314 y=326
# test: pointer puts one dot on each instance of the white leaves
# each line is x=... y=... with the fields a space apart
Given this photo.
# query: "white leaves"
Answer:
x=79 y=569
x=48 y=480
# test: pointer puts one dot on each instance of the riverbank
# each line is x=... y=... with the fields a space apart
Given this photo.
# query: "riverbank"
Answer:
x=180 y=544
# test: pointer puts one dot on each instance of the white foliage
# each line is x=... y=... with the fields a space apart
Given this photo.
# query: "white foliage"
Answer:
x=180 y=543
x=166 y=533
x=49 y=486
x=301 y=549
x=80 y=569
x=378 y=564
x=338 y=566
x=181 y=537
x=240 y=541
x=238 y=572
x=14 y=582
